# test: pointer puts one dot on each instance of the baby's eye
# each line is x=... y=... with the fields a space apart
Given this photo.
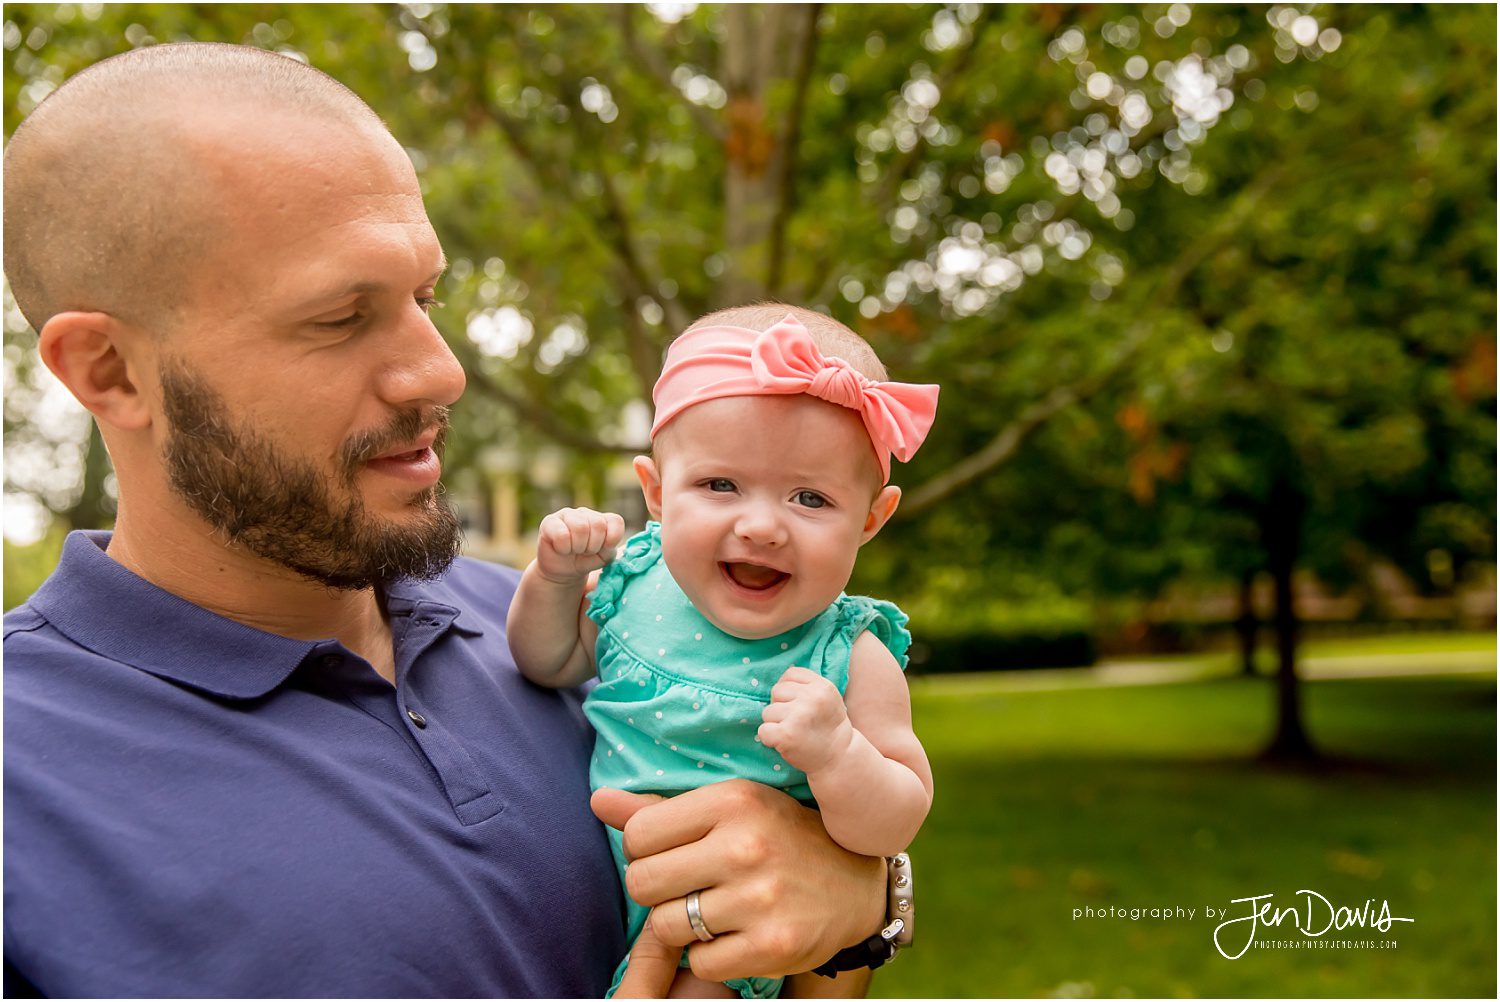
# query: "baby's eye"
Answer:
x=811 y=499
x=720 y=485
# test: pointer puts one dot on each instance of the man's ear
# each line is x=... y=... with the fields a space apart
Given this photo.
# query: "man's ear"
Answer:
x=91 y=354
x=650 y=478
x=881 y=510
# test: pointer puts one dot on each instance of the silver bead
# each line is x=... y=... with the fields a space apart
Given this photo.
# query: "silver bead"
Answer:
x=902 y=880
x=903 y=905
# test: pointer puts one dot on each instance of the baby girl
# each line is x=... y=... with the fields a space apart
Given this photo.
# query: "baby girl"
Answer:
x=721 y=636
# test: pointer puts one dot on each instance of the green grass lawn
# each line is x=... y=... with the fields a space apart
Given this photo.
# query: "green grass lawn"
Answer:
x=1402 y=643
x=1150 y=796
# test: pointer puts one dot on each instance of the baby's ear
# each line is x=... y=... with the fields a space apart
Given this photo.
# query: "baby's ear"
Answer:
x=881 y=510
x=650 y=478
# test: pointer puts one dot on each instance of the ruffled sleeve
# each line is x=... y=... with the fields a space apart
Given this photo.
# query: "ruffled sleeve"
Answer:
x=888 y=623
x=856 y=614
x=638 y=555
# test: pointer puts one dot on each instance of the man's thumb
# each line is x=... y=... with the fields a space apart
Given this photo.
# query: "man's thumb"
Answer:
x=652 y=967
x=615 y=807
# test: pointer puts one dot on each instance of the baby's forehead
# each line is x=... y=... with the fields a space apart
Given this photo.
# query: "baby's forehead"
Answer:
x=791 y=432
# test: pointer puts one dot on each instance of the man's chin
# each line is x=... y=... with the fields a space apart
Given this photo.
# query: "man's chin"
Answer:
x=396 y=561
x=403 y=512
x=395 y=503
x=349 y=527
x=418 y=540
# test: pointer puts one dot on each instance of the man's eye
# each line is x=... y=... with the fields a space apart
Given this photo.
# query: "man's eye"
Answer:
x=351 y=320
x=428 y=303
x=720 y=485
x=811 y=499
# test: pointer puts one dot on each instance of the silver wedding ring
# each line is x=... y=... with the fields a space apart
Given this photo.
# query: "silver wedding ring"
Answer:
x=695 y=918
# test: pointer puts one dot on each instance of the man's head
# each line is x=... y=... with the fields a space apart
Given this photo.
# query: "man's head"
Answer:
x=227 y=259
x=106 y=207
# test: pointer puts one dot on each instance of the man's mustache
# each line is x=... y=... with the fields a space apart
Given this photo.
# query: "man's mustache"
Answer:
x=403 y=428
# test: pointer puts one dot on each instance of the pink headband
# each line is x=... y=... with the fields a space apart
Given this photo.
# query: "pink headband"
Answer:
x=711 y=362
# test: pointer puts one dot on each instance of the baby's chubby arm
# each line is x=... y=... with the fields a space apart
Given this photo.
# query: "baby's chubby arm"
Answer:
x=863 y=761
x=550 y=637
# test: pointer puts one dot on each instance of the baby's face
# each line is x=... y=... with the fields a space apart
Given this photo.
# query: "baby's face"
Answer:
x=764 y=502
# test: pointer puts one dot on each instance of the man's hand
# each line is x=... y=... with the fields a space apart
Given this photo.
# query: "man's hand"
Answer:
x=806 y=721
x=780 y=896
x=652 y=968
x=572 y=542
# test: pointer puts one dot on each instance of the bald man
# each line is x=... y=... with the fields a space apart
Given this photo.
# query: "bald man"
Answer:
x=266 y=737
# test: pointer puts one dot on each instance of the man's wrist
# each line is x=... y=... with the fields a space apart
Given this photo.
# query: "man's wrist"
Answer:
x=899 y=913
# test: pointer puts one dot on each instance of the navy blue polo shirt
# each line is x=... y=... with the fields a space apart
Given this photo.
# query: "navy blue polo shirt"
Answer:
x=196 y=807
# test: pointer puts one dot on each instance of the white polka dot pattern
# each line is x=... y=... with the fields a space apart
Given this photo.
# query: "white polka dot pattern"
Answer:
x=679 y=702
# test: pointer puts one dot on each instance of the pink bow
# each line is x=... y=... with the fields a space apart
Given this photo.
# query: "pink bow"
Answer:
x=711 y=362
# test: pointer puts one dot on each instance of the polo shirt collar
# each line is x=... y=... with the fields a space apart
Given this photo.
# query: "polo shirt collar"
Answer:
x=107 y=608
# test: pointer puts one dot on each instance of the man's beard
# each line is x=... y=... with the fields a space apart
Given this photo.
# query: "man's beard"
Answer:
x=283 y=510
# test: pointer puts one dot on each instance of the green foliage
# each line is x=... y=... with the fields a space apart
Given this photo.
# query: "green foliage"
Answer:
x=26 y=567
x=1316 y=337
x=1179 y=255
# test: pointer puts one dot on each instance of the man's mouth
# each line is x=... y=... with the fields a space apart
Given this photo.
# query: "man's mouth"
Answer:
x=403 y=440
x=420 y=465
x=413 y=448
x=753 y=577
x=407 y=457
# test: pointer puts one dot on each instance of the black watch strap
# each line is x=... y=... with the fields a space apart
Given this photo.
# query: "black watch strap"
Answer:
x=882 y=946
x=870 y=953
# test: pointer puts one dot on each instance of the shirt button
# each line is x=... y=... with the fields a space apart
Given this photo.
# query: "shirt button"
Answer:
x=330 y=660
x=417 y=718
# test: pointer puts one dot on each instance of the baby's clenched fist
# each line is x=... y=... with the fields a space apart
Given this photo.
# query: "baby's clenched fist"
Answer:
x=806 y=721
x=573 y=542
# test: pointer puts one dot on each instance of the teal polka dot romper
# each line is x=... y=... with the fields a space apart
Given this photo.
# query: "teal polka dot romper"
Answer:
x=679 y=701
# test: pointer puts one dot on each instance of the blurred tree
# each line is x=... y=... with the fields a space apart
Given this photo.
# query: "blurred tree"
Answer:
x=1232 y=264
x=602 y=176
x=1346 y=414
x=1329 y=390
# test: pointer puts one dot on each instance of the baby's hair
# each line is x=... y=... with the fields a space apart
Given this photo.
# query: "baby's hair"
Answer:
x=832 y=338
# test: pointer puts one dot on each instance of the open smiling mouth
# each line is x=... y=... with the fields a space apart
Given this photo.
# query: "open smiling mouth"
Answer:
x=753 y=577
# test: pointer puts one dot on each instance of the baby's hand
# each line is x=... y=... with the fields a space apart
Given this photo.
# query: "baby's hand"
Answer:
x=806 y=721
x=573 y=542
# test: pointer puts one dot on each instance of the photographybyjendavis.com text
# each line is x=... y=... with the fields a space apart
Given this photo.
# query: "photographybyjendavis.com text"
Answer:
x=1322 y=925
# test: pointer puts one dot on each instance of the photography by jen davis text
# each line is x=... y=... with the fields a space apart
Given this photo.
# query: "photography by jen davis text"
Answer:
x=1237 y=924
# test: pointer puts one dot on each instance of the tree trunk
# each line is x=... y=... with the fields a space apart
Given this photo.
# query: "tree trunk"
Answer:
x=761 y=42
x=1247 y=626
x=1281 y=533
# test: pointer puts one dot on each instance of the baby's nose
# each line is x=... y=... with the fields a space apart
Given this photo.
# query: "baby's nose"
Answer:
x=760 y=527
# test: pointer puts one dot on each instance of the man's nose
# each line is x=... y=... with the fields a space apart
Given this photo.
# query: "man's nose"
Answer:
x=760 y=525
x=424 y=369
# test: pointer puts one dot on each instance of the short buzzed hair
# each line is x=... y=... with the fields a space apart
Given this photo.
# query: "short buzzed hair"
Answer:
x=103 y=210
x=832 y=338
